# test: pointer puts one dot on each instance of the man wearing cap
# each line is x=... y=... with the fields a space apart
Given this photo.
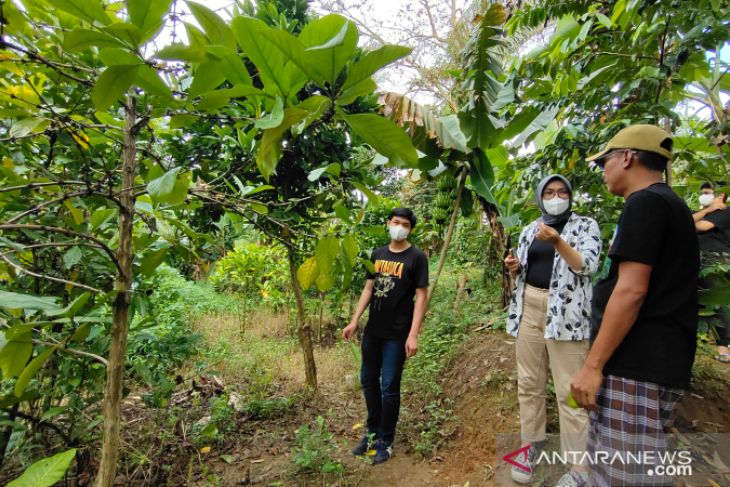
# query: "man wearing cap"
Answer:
x=645 y=309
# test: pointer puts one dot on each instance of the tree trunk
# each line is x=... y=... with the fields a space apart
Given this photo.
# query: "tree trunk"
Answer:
x=668 y=128
x=501 y=243
x=303 y=329
x=120 y=308
x=449 y=234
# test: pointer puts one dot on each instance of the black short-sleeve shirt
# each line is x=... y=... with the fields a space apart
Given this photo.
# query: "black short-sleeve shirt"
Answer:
x=656 y=228
x=718 y=238
x=396 y=278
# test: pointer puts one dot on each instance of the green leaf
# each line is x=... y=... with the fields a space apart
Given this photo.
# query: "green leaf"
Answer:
x=250 y=34
x=54 y=411
x=27 y=301
x=539 y=124
x=72 y=257
x=124 y=31
x=24 y=126
x=267 y=157
x=148 y=14
x=31 y=370
x=325 y=281
x=363 y=88
x=16 y=351
x=371 y=62
x=349 y=244
x=112 y=85
x=81 y=39
x=171 y=187
x=181 y=52
x=293 y=50
x=717 y=296
x=81 y=333
x=307 y=273
x=215 y=28
x=482 y=176
x=46 y=472
x=72 y=309
x=180 y=121
x=152 y=261
x=326 y=253
x=88 y=10
x=273 y=118
x=603 y=20
x=372 y=197
x=385 y=137
x=329 y=61
x=208 y=76
x=231 y=65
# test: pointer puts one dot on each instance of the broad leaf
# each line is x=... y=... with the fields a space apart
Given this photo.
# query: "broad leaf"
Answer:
x=181 y=52
x=81 y=39
x=16 y=351
x=383 y=136
x=151 y=261
x=267 y=157
x=349 y=244
x=293 y=50
x=72 y=257
x=208 y=76
x=88 y=10
x=171 y=187
x=25 y=126
x=46 y=472
x=72 y=309
x=113 y=84
x=31 y=370
x=328 y=30
x=363 y=88
x=148 y=14
x=250 y=34
x=231 y=65
x=482 y=176
x=215 y=28
x=307 y=273
x=274 y=118
x=371 y=62
x=27 y=301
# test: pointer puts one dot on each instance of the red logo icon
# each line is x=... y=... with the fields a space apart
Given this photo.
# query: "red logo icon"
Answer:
x=513 y=457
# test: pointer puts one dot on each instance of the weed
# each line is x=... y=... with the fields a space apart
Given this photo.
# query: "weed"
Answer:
x=313 y=450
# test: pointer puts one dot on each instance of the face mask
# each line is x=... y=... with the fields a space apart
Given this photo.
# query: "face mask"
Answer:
x=556 y=206
x=706 y=199
x=397 y=232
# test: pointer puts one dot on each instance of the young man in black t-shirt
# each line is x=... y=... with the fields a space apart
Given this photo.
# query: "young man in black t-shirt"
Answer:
x=646 y=310
x=391 y=335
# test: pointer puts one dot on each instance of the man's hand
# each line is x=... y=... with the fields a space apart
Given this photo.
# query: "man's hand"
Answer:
x=584 y=387
x=717 y=204
x=411 y=346
x=547 y=234
x=349 y=331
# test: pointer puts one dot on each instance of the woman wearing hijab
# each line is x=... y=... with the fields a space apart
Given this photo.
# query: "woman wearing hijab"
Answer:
x=549 y=314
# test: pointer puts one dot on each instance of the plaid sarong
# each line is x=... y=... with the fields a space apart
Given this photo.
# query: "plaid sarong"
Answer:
x=630 y=421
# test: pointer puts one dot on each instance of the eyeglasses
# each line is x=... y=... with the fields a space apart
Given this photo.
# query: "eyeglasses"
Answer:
x=549 y=194
x=601 y=163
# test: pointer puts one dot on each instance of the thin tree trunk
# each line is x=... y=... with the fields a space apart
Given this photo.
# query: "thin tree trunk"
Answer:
x=120 y=321
x=501 y=242
x=449 y=234
x=303 y=329
x=668 y=128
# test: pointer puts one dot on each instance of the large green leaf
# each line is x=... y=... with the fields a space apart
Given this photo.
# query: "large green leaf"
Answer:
x=293 y=51
x=267 y=157
x=46 y=472
x=148 y=14
x=231 y=65
x=73 y=308
x=215 y=28
x=88 y=10
x=181 y=52
x=482 y=176
x=250 y=34
x=127 y=32
x=351 y=248
x=152 y=260
x=371 y=62
x=171 y=187
x=329 y=50
x=113 y=84
x=208 y=76
x=16 y=350
x=273 y=118
x=25 y=126
x=384 y=136
x=27 y=301
x=81 y=39
x=538 y=124
x=307 y=273
x=363 y=88
x=717 y=296
x=31 y=370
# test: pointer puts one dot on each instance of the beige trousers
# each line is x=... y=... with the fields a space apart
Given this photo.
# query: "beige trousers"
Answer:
x=565 y=358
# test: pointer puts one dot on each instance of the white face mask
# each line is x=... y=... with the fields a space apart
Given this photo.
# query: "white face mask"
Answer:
x=398 y=233
x=706 y=199
x=556 y=206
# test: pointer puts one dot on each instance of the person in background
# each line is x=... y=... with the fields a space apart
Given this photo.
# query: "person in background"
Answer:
x=391 y=333
x=641 y=360
x=549 y=314
x=712 y=222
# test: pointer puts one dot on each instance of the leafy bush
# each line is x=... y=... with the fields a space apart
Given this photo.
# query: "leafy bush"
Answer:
x=313 y=449
x=256 y=271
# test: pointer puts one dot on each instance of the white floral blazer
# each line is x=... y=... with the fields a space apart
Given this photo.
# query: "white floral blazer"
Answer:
x=570 y=293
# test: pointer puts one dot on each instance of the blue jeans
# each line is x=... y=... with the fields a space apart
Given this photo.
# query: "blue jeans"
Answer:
x=382 y=367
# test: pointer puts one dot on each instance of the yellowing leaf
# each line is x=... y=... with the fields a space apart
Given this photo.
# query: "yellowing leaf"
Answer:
x=82 y=139
x=357 y=426
x=371 y=453
x=78 y=215
x=205 y=449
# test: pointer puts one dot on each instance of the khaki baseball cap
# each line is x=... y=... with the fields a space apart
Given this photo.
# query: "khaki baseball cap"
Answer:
x=649 y=138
